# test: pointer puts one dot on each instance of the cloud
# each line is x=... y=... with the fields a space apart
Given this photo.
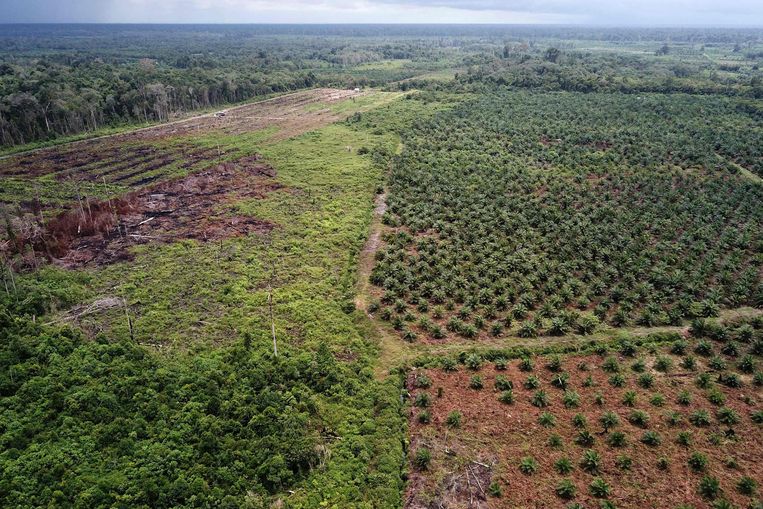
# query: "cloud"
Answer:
x=613 y=12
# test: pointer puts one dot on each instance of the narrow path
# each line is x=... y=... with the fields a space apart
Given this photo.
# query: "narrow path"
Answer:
x=393 y=351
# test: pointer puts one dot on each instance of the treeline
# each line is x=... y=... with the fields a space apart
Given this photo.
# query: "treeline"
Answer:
x=51 y=100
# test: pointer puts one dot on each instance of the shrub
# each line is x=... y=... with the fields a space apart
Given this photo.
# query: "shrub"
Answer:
x=528 y=329
x=678 y=347
x=757 y=417
x=731 y=380
x=716 y=397
x=591 y=461
x=566 y=489
x=599 y=488
x=747 y=486
x=684 y=398
x=476 y=382
x=617 y=380
x=709 y=487
x=424 y=417
x=617 y=439
x=473 y=361
x=639 y=418
x=746 y=364
x=526 y=364
x=506 y=397
x=646 y=380
x=423 y=382
x=422 y=459
x=703 y=380
x=673 y=418
x=584 y=438
x=449 y=364
x=629 y=398
x=651 y=438
x=540 y=399
x=422 y=400
x=554 y=364
x=454 y=419
x=609 y=420
x=700 y=418
x=663 y=463
x=528 y=465
x=532 y=382
x=560 y=380
x=704 y=348
x=571 y=399
x=684 y=438
x=697 y=462
x=639 y=366
x=727 y=416
x=503 y=384
x=501 y=364
x=598 y=398
x=494 y=490
x=610 y=365
x=579 y=421
x=657 y=400
x=547 y=420
x=624 y=462
x=717 y=364
x=663 y=364
x=689 y=363
x=555 y=441
x=563 y=466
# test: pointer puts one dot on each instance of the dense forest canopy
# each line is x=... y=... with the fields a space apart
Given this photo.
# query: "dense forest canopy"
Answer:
x=59 y=80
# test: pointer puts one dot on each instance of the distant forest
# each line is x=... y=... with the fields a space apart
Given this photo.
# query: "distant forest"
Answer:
x=62 y=80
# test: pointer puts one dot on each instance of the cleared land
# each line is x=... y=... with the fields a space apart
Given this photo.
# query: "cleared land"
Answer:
x=529 y=431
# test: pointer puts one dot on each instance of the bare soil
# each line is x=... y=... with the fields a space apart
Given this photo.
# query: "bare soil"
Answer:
x=492 y=431
x=195 y=207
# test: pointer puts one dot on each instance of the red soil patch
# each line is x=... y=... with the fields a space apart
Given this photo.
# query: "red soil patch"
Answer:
x=193 y=207
x=501 y=434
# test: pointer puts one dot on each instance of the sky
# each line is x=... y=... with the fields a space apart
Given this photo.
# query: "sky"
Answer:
x=745 y=13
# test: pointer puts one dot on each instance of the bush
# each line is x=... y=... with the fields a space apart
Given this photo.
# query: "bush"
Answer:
x=555 y=441
x=422 y=459
x=528 y=465
x=697 y=462
x=566 y=489
x=629 y=398
x=422 y=400
x=651 y=438
x=506 y=397
x=454 y=419
x=663 y=364
x=646 y=380
x=700 y=418
x=657 y=400
x=547 y=420
x=424 y=417
x=494 y=490
x=609 y=420
x=684 y=438
x=540 y=399
x=563 y=466
x=584 y=438
x=423 y=382
x=727 y=416
x=617 y=380
x=571 y=399
x=599 y=488
x=709 y=487
x=476 y=382
x=624 y=462
x=532 y=382
x=579 y=421
x=591 y=461
x=639 y=418
x=617 y=439
x=560 y=380
x=473 y=361
x=526 y=364
x=684 y=398
x=747 y=486
x=503 y=384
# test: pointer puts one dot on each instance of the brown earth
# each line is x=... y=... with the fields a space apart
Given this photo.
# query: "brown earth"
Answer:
x=499 y=435
x=193 y=207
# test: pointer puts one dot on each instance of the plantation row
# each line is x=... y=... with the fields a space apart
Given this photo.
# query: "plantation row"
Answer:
x=605 y=424
x=497 y=225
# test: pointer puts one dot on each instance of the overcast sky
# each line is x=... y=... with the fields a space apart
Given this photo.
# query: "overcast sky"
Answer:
x=600 y=12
